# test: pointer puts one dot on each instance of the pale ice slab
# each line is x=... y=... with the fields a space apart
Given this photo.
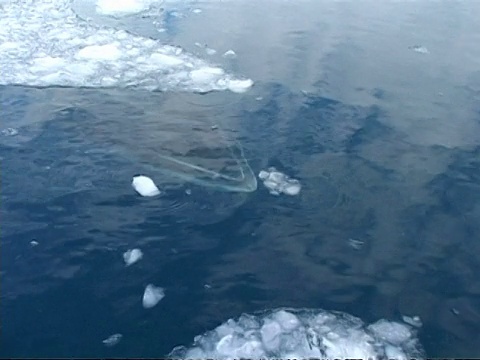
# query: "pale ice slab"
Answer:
x=132 y=256
x=277 y=182
x=145 y=186
x=43 y=43
x=152 y=296
x=303 y=333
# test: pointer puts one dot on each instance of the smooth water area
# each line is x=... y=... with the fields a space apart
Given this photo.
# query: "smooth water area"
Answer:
x=373 y=107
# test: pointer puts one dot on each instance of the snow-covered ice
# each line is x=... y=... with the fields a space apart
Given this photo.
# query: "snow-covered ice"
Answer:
x=145 y=186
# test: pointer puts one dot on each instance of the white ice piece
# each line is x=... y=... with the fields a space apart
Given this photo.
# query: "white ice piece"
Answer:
x=277 y=182
x=132 y=256
x=145 y=186
x=152 y=296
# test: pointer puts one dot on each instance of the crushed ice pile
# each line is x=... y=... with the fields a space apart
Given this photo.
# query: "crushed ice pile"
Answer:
x=44 y=43
x=300 y=334
x=145 y=186
x=277 y=182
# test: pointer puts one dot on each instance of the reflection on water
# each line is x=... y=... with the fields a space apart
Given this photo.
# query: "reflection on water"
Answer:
x=385 y=142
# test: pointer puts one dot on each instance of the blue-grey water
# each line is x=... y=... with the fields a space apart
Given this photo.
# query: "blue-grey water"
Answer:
x=374 y=107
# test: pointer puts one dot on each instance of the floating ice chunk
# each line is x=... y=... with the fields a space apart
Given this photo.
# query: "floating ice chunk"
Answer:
x=113 y=340
x=420 y=49
x=414 y=320
x=270 y=333
x=132 y=256
x=9 y=132
x=394 y=333
x=287 y=320
x=33 y=243
x=311 y=334
x=152 y=296
x=355 y=243
x=206 y=74
x=277 y=182
x=239 y=86
x=100 y=52
x=229 y=54
x=145 y=186
x=197 y=11
x=122 y=7
x=210 y=51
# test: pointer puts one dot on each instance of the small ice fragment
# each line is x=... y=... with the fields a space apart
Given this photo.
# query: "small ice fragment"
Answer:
x=214 y=127
x=455 y=311
x=34 y=243
x=229 y=54
x=145 y=186
x=197 y=11
x=259 y=98
x=206 y=286
x=414 y=321
x=356 y=244
x=132 y=256
x=188 y=192
x=9 y=132
x=152 y=296
x=112 y=340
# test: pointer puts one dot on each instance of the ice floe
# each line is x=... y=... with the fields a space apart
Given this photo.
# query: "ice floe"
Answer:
x=145 y=186
x=43 y=43
x=132 y=256
x=277 y=182
x=300 y=334
x=152 y=296
x=113 y=340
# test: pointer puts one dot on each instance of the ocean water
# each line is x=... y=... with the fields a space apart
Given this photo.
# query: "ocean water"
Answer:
x=373 y=107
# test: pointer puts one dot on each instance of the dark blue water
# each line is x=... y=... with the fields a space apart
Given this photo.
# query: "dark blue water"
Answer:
x=384 y=139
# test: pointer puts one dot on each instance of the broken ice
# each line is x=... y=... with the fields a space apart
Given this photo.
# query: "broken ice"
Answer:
x=145 y=186
x=152 y=296
x=277 y=182
x=132 y=256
